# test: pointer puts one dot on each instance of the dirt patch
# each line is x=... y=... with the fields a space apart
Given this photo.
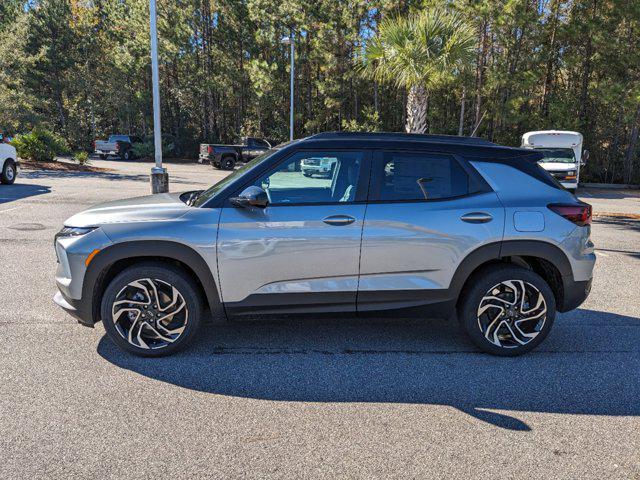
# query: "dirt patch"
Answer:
x=62 y=167
x=622 y=216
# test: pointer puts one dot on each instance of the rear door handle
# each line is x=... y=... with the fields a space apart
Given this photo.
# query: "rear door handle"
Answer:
x=338 y=220
x=476 y=217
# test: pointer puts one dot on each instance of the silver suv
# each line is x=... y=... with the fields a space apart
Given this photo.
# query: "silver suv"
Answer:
x=406 y=224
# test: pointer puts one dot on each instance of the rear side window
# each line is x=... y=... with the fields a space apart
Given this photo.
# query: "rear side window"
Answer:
x=256 y=142
x=419 y=176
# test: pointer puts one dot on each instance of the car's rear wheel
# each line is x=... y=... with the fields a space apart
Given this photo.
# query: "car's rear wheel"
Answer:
x=103 y=157
x=507 y=310
x=228 y=162
x=127 y=155
x=151 y=309
x=8 y=175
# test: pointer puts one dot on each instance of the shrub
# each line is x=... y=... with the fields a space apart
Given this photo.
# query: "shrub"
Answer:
x=39 y=145
x=370 y=122
x=81 y=157
x=146 y=149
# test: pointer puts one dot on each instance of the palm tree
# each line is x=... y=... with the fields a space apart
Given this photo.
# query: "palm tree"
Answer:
x=420 y=53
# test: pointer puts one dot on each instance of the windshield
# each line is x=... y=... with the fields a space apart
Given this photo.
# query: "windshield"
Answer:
x=557 y=155
x=213 y=190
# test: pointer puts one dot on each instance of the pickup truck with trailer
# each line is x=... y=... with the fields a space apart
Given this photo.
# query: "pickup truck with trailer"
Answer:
x=226 y=157
x=119 y=145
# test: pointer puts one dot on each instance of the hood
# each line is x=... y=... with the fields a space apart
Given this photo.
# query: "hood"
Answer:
x=159 y=207
x=558 y=166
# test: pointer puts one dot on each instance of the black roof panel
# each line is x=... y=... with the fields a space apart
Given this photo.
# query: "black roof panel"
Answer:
x=469 y=147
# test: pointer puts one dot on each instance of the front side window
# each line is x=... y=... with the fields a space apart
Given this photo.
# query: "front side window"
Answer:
x=420 y=176
x=212 y=191
x=313 y=177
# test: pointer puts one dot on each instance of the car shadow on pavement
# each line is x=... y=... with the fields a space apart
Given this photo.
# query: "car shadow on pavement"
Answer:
x=589 y=365
x=38 y=174
x=17 y=191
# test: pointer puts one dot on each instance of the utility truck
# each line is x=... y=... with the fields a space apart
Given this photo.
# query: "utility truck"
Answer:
x=562 y=154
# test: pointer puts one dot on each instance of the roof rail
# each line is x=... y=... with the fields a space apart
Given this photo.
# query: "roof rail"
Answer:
x=451 y=139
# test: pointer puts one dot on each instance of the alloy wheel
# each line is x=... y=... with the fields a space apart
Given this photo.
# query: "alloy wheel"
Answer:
x=10 y=172
x=149 y=313
x=512 y=313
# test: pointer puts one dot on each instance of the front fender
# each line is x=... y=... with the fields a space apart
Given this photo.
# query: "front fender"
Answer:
x=93 y=285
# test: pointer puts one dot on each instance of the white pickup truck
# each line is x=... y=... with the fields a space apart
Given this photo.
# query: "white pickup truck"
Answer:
x=562 y=152
x=8 y=164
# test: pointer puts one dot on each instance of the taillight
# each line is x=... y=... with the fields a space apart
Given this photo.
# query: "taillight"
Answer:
x=209 y=149
x=117 y=147
x=94 y=144
x=579 y=214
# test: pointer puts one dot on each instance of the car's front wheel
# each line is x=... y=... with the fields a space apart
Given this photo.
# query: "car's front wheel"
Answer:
x=8 y=175
x=151 y=309
x=507 y=310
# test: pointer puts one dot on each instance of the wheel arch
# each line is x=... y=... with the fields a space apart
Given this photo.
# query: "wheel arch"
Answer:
x=544 y=258
x=115 y=258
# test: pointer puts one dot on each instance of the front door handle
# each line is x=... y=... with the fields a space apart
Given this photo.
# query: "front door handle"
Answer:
x=476 y=217
x=338 y=220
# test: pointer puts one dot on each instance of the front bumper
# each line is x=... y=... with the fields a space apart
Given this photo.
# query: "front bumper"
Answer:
x=569 y=185
x=76 y=308
x=72 y=253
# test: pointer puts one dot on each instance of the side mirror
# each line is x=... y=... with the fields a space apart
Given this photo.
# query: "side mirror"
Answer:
x=585 y=157
x=251 y=197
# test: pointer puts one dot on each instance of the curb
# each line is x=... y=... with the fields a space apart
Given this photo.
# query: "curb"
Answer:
x=615 y=186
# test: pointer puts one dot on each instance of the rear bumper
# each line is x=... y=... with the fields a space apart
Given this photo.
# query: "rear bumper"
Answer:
x=204 y=158
x=574 y=294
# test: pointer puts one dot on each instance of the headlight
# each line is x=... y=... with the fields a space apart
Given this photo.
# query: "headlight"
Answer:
x=73 y=232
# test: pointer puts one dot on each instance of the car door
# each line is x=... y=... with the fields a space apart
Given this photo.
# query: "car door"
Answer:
x=426 y=212
x=301 y=252
x=255 y=148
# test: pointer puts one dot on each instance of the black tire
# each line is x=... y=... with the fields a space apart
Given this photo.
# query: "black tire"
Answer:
x=228 y=162
x=164 y=276
x=488 y=284
x=127 y=155
x=215 y=165
x=306 y=174
x=9 y=172
x=103 y=157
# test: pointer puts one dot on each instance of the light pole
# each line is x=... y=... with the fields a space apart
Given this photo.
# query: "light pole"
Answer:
x=159 y=175
x=289 y=41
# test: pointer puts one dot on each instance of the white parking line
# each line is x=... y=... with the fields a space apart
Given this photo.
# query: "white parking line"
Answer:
x=9 y=209
x=598 y=252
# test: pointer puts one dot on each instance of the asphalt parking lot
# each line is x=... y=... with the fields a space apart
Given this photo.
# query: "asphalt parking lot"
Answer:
x=313 y=398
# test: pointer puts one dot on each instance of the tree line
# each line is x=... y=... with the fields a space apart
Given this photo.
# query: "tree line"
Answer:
x=81 y=68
